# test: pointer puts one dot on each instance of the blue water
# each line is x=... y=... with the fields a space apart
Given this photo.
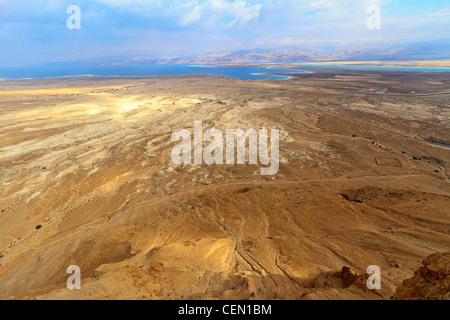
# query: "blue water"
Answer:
x=144 y=70
x=55 y=70
x=383 y=68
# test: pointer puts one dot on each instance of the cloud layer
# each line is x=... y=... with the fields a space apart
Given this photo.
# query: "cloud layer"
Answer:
x=33 y=31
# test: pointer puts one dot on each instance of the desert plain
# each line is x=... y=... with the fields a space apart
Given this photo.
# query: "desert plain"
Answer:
x=86 y=179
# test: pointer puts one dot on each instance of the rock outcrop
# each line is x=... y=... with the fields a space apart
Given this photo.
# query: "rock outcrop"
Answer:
x=430 y=282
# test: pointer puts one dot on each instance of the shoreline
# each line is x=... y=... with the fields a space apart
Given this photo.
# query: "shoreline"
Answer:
x=403 y=66
x=441 y=63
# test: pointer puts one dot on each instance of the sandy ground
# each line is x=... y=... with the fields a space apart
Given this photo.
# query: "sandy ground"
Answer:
x=86 y=179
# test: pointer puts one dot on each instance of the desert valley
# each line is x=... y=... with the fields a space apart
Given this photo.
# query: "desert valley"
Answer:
x=87 y=179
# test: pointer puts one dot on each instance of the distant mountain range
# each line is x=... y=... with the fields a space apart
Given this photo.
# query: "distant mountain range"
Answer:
x=426 y=50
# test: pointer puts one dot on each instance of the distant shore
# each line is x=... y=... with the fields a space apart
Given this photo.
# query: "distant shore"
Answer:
x=412 y=63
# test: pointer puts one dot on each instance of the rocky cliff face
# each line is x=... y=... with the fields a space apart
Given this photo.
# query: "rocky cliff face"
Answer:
x=430 y=282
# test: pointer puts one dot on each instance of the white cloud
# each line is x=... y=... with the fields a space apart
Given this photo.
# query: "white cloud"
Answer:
x=204 y=12
x=174 y=27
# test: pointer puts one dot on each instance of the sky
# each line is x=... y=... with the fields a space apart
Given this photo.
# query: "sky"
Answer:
x=35 y=31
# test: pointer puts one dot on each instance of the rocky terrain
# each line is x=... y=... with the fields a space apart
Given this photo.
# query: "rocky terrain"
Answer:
x=430 y=282
x=87 y=179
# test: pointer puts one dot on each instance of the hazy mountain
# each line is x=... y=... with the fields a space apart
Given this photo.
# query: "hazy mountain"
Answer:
x=427 y=50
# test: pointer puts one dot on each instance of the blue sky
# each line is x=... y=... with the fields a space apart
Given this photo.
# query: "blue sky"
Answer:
x=35 y=31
